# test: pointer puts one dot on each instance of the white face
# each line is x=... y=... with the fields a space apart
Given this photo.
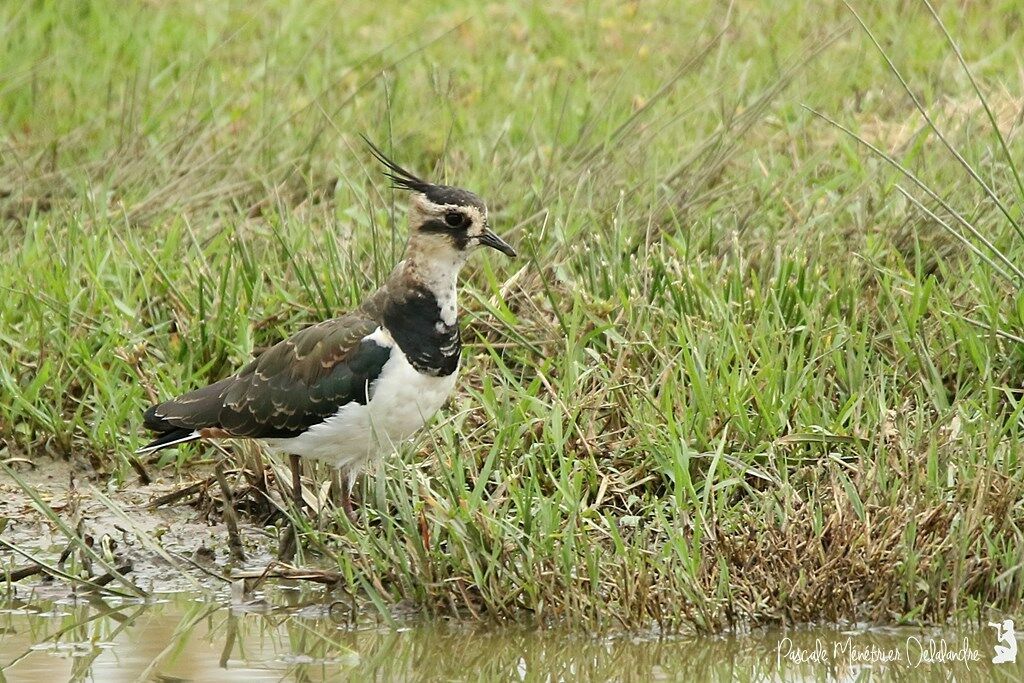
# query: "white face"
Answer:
x=451 y=231
x=457 y=227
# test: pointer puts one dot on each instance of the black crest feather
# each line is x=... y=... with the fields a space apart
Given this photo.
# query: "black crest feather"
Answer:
x=400 y=177
x=405 y=180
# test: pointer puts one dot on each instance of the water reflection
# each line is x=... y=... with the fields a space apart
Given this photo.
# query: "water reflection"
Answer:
x=184 y=638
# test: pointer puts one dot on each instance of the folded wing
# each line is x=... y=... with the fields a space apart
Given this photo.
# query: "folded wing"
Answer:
x=294 y=385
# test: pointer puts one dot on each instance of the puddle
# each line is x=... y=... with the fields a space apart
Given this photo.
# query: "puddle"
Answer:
x=182 y=636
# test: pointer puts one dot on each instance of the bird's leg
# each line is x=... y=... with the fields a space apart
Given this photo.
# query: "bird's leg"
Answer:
x=341 y=494
x=346 y=503
x=296 y=480
x=290 y=536
x=336 y=486
x=260 y=477
x=230 y=519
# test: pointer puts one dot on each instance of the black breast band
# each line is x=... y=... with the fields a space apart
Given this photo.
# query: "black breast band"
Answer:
x=431 y=346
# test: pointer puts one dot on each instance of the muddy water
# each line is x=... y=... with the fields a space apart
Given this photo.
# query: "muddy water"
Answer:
x=184 y=637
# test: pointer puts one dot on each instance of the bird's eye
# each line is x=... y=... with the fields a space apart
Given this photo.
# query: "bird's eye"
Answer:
x=455 y=219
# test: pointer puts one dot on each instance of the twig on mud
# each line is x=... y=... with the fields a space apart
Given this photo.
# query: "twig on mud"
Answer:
x=140 y=469
x=245 y=581
x=175 y=496
x=104 y=579
x=23 y=572
x=280 y=570
x=19 y=461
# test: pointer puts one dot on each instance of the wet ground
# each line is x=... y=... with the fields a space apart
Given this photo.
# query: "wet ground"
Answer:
x=194 y=627
x=178 y=546
x=291 y=634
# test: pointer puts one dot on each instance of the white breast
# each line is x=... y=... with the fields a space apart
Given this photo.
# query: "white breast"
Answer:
x=401 y=401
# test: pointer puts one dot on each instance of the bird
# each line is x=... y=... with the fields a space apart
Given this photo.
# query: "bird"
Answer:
x=348 y=390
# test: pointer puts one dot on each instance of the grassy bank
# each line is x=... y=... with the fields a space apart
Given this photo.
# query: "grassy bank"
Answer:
x=737 y=375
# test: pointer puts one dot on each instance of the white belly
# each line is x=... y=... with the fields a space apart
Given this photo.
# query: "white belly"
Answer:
x=400 y=402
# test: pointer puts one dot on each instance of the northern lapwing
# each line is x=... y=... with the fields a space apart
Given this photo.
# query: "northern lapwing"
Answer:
x=350 y=389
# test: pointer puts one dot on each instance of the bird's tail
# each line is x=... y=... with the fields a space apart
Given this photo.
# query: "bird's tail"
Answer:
x=181 y=419
x=168 y=439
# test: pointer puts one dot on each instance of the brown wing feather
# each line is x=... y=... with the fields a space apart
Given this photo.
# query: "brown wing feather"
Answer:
x=296 y=383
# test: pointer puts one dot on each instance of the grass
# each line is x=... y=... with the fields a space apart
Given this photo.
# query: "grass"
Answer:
x=747 y=371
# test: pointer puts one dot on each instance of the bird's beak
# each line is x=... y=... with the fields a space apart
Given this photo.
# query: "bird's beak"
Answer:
x=488 y=238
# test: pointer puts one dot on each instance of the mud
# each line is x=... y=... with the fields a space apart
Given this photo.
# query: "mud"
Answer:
x=121 y=526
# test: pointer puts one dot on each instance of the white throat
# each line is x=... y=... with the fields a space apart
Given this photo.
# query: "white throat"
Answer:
x=440 y=276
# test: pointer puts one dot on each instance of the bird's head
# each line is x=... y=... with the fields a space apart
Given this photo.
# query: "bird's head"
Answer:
x=445 y=223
